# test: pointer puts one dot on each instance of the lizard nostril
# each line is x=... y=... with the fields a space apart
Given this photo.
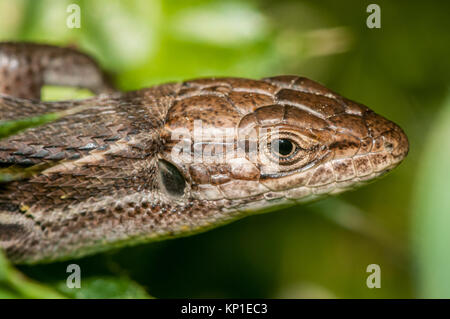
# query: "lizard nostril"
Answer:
x=396 y=143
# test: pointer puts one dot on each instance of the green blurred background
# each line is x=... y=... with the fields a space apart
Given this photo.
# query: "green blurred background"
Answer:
x=319 y=250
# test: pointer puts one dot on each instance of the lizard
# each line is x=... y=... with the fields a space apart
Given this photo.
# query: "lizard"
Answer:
x=173 y=159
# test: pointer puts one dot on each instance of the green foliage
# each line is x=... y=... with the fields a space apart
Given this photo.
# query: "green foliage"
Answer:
x=319 y=250
x=105 y=287
x=431 y=233
x=59 y=93
x=15 y=285
x=8 y=128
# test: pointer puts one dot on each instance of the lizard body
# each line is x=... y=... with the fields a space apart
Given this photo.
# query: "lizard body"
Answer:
x=173 y=159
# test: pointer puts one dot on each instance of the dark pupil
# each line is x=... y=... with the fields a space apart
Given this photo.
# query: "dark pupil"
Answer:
x=283 y=147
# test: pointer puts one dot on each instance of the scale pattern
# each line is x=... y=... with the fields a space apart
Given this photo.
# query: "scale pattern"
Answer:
x=101 y=184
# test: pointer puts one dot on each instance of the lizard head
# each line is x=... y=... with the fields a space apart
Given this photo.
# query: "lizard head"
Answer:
x=251 y=145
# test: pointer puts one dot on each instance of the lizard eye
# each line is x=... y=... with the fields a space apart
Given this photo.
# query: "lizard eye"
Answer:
x=285 y=151
x=283 y=147
x=288 y=149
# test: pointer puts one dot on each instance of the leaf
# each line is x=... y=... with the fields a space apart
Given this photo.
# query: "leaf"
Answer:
x=8 y=128
x=61 y=93
x=431 y=218
x=13 y=284
x=11 y=127
x=105 y=287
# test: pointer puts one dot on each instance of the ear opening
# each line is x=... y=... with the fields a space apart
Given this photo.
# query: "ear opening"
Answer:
x=171 y=179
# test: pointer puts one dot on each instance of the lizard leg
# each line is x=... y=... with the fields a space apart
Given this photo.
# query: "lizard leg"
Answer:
x=26 y=67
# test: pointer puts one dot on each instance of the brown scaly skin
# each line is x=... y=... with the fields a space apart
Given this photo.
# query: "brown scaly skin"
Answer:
x=118 y=176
